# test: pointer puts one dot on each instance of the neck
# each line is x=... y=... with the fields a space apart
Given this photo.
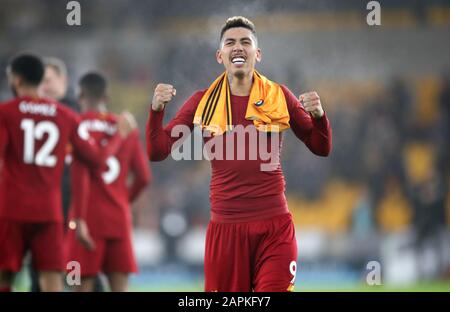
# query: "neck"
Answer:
x=97 y=107
x=241 y=85
x=28 y=92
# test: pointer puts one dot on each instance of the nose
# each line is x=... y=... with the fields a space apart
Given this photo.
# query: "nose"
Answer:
x=237 y=47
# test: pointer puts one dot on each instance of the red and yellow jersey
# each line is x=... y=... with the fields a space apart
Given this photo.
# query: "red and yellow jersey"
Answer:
x=239 y=189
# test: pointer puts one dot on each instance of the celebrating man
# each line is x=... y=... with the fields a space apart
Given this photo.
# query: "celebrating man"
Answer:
x=250 y=243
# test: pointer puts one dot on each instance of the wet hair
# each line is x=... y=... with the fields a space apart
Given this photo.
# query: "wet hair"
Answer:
x=238 y=21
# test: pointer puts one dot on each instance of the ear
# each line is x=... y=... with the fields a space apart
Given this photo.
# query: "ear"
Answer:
x=16 y=80
x=258 y=55
x=219 y=57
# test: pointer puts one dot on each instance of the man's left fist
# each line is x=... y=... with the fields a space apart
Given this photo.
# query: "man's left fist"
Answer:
x=311 y=103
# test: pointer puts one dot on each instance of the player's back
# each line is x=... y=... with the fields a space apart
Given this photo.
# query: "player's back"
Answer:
x=37 y=132
x=102 y=126
x=108 y=213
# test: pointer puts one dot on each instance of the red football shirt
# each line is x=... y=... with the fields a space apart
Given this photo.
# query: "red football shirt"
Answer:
x=3 y=138
x=34 y=134
x=239 y=189
x=102 y=196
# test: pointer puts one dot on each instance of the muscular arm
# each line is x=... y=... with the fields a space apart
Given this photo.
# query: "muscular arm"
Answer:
x=140 y=168
x=159 y=138
x=315 y=133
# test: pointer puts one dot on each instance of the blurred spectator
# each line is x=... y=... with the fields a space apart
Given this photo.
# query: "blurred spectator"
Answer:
x=56 y=83
x=444 y=124
x=430 y=220
x=55 y=86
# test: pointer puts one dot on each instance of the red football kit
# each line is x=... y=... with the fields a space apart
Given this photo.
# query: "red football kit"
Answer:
x=250 y=241
x=102 y=198
x=34 y=134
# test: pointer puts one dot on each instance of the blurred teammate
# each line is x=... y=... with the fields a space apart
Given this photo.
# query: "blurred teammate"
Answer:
x=34 y=133
x=100 y=211
x=250 y=241
x=54 y=86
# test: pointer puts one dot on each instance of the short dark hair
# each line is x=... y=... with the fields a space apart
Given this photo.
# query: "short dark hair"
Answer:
x=29 y=67
x=93 y=85
x=238 y=21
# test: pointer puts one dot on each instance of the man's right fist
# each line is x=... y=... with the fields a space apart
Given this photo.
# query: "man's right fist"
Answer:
x=163 y=95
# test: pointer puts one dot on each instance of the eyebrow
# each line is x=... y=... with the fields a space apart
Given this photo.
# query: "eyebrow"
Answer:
x=240 y=39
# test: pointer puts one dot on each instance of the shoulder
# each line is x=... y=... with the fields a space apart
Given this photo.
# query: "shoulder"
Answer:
x=112 y=116
x=199 y=93
x=4 y=108
x=64 y=109
x=192 y=102
x=197 y=96
x=291 y=99
x=70 y=102
x=9 y=102
x=67 y=114
x=287 y=93
x=7 y=105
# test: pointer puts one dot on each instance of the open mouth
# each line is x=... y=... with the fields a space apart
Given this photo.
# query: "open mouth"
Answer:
x=238 y=60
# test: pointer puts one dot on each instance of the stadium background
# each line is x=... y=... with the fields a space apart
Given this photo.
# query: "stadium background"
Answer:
x=382 y=195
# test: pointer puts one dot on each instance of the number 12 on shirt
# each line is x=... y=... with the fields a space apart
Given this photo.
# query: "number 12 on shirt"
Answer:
x=36 y=131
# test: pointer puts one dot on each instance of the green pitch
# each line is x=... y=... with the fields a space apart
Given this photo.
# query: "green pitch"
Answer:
x=437 y=286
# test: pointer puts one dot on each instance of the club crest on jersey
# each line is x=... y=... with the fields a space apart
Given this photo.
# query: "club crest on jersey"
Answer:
x=259 y=103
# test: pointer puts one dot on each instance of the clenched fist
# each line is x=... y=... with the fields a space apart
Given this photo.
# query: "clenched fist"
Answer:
x=163 y=95
x=311 y=103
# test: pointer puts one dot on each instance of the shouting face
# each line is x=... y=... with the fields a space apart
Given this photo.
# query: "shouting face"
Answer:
x=238 y=52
